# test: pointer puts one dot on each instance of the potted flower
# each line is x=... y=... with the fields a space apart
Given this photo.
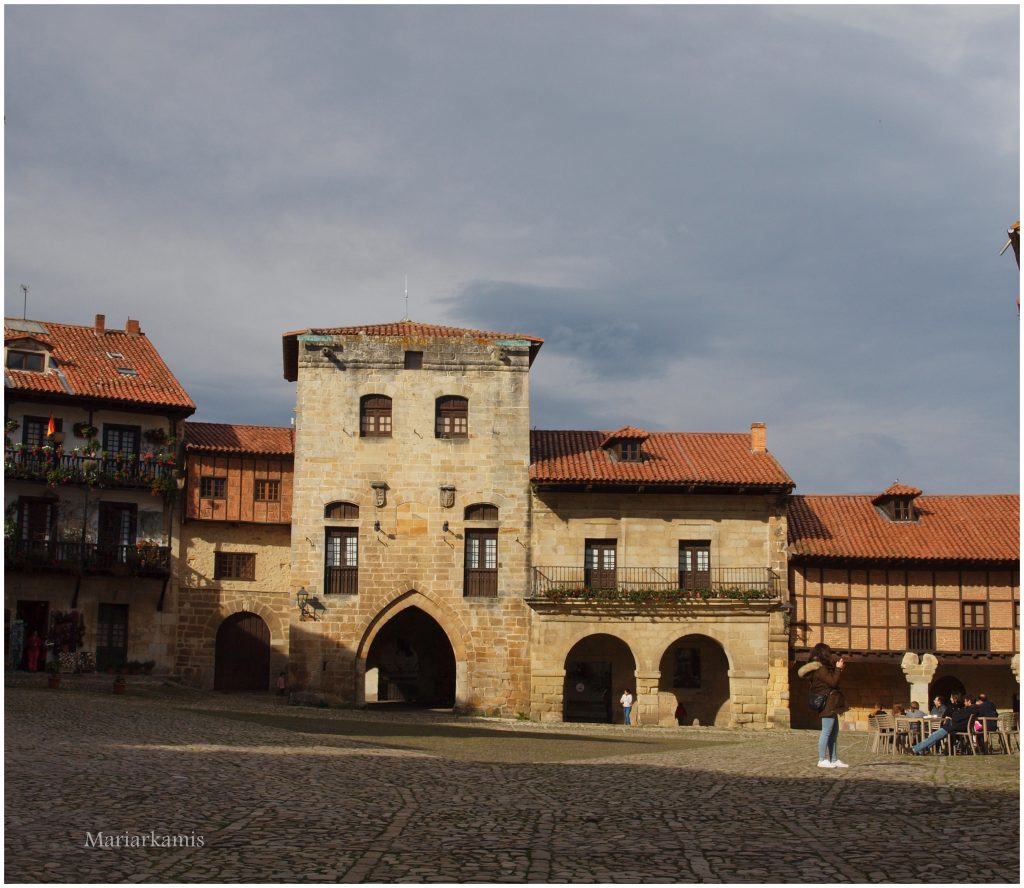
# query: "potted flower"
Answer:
x=53 y=673
x=84 y=430
x=155 y=436
x=120 y=685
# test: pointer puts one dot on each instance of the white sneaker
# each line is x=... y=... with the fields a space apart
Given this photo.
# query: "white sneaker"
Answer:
x=825 y=763
x=839 y=764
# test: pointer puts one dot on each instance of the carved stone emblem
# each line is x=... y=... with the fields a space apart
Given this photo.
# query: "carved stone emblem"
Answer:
x=380 y=491
x=447 y=496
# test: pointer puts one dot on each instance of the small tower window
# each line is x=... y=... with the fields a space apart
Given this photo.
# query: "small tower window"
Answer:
x=452 y=417
x=375 y=416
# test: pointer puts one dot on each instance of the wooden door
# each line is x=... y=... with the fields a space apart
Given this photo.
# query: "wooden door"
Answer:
x=116 y=537
x=599 y=571
x=243 y=654
x=111 y=636
x=694 y=566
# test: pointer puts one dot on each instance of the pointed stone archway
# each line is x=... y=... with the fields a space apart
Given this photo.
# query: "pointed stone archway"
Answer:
x=411 y=661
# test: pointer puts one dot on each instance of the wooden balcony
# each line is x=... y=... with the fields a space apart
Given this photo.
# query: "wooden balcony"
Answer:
x=655 y=584
x=57 y=467
x=142 y=559
x=341 y=581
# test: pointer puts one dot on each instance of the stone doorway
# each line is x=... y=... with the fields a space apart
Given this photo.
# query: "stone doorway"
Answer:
x=411 y=662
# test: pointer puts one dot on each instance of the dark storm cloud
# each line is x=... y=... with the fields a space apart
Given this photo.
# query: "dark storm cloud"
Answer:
x=712 y=215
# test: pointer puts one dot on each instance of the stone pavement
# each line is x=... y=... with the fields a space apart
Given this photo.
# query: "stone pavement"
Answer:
x=280 y=793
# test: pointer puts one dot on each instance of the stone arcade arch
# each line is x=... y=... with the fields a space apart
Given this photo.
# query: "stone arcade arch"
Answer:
x=242 y=654
x=410 y=660
x=695 y=672
x=597 y=668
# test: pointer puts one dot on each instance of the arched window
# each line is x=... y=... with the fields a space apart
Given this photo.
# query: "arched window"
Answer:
x=481 y=512
x=452 y=417
x=375 y=416
x=341 y=511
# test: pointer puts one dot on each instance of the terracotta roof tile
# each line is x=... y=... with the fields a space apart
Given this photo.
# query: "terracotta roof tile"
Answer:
x=897 y=489
x=984 y=527
x=85 y=369
x=670 y=458
x=405 y=328
x=626 y=433
x=229 y=438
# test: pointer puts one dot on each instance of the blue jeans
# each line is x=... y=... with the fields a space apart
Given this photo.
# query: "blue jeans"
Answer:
x=936 y=737
x=625 y=714
x=827 y=740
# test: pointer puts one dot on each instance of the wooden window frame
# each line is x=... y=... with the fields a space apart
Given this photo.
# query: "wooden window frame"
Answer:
x=902 y=509
x=481 y=512
x=694 y=578
x=22 y=355
x=234 y=565
x=376 y=416
x=219 y=485
x=451 y=417
x=30 y=423
x=262 y=487
x=600 y=568
x=921 y=625
x=341 y=511
x=481 y=563
x=111 y=428
x=974 y=632
x=630 y=451
x=830 y=611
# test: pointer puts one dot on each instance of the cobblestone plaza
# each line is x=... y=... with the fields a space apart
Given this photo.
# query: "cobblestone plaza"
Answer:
x=279 y=793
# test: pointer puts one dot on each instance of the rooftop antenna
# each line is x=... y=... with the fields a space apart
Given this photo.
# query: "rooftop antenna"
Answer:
x=24 y=310
x=406 y=298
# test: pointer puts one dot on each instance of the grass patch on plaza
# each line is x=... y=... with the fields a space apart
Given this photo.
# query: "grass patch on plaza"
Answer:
x=471 y=742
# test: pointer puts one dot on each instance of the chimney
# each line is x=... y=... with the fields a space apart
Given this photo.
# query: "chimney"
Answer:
x=758 y=438
x=132 y=327
x=101 y=323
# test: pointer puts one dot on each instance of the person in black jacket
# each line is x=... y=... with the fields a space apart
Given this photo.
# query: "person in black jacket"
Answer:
x=957 y=720
x=823 y=671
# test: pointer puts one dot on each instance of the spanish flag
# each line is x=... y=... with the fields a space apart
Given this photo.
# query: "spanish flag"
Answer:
x=50 y=427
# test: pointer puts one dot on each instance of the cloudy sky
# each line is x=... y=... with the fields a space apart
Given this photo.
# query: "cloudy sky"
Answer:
x=713 y=215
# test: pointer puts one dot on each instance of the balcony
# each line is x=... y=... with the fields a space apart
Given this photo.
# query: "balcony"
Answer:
x=57 y=467
x=921 y=639
x=141 y=559
x=974 y=640
x=655 y=585
x=341 y=581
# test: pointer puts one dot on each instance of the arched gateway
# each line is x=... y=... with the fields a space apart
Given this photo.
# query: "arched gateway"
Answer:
x=242 y=654
x=411 y=661
x=597 y=669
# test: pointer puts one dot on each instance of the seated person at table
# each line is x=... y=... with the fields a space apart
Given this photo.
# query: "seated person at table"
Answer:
x=955 y=722
x=915 y=711
x=879 y=710
x=986 y=707
x=898 y=711
x=939 y=707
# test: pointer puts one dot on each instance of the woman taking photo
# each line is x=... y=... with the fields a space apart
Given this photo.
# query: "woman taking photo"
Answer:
x=823 y=670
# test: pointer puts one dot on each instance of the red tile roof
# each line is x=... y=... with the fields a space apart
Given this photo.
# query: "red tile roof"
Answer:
x=227 y=438
x=984 y=527
x=84 y=368
x=670 y=459
x=403 y=328
x=897 y=489
x=626 y=433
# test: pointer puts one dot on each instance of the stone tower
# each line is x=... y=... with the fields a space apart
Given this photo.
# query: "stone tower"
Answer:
x=410 y=520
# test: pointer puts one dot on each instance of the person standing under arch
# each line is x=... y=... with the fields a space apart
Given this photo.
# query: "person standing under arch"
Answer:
x=627 y=705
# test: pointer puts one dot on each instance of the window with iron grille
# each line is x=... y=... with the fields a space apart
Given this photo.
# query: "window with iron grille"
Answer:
x=234 y=566
x=212 y=487
x=267 y=490
x=686 y=668
x=452 y=417
x=481 y=512
x=341 y=570
x=375 y=416
x=837 y=611
x=481 y=563
x=921 y=625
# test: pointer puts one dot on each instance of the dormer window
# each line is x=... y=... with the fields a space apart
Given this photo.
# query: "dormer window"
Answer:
x=625 y=445
x=897 y=503
x=34 y=362
x=629 y=451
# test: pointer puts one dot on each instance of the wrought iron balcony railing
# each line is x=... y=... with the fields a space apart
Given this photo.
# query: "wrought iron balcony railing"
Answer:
x=56 y=467
x=58 y=555
x=654 y=584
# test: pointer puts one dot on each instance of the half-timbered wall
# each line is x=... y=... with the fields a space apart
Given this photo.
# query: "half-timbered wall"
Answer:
x=241 y=474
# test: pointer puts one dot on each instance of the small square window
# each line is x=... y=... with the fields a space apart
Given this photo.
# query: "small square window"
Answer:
x=211 y=487
x=413 y=360
x=23 y=360
x=629 y=451
x=837 y=611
